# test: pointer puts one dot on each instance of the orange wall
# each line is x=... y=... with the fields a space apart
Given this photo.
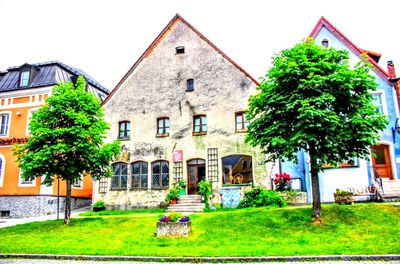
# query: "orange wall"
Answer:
x=17 y=129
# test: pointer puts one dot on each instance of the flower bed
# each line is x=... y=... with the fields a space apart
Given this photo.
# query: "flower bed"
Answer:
x=174 y=225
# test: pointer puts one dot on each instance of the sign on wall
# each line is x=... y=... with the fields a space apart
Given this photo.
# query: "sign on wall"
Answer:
x=177 y=156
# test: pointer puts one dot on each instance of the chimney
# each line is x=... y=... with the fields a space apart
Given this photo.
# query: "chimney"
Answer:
x=391 y=70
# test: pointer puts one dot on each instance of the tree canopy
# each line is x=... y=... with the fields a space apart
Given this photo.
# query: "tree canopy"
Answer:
x=312 y=100
x=66 y=141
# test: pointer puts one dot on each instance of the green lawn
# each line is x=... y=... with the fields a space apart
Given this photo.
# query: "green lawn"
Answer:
x=357 y=229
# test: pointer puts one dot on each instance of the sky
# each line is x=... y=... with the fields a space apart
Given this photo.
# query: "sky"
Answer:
x=105 y=38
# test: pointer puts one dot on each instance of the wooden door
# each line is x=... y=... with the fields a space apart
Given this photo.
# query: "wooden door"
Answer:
x=381 y=161
x=196 y=172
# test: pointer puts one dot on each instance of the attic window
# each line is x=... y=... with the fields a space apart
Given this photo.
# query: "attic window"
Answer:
x=190 y=85
x=325 y=43
x=180 y=50
x=24 y=79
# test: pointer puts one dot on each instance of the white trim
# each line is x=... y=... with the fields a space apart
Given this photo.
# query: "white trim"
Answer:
x=382 y=94
x=395 y=101
x=3 y=168
x=22 y=184
x=30 y=104
x=26 y=92
x=28 y=119
x=9 y=123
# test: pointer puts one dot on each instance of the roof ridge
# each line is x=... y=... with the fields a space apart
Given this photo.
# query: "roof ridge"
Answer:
x=149 y=49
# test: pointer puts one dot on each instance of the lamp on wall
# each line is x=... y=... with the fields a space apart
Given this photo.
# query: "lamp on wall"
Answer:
x=396 y=129
x=18 y=113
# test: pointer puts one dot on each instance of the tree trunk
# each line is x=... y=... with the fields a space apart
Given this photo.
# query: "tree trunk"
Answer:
x=67 y=217
x=316 y=197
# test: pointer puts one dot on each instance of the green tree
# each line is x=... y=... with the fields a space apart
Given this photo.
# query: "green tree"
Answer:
x=66 y=140
x=312 y=100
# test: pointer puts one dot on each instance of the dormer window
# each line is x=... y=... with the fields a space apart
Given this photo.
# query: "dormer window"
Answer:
x=24 y=79
x=180 y=50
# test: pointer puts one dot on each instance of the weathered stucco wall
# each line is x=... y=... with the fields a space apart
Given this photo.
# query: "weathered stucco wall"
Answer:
x=157 y=88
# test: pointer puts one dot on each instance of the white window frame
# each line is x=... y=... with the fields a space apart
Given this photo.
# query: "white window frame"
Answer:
x=28 y=120
x=21 y=83
x=2 y=169
x=79 y=185
x=8 y=123
x=22 y=183
x=382 y=94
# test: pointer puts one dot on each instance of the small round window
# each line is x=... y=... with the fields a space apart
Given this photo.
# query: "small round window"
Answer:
x=325 y=43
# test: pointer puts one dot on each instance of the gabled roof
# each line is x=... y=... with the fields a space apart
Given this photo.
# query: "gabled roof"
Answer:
x=323 y=22
x=48 y=73
x=177 y=18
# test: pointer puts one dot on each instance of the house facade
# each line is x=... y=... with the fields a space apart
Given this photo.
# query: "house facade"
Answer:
x=385 y=163
x=23 y=90
x=179 y=113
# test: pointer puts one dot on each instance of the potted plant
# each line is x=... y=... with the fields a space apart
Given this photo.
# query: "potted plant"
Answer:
x=182 y=187
x=99 y=205
x=174 y=224
x=172 y=196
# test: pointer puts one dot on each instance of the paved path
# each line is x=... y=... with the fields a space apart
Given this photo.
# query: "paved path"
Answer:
x=41 y=261
x=5 y=222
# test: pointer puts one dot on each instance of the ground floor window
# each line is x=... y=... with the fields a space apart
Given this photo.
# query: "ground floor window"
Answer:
x=237 y=169
x=120 y=176
x=160 y=174
x=140 y=172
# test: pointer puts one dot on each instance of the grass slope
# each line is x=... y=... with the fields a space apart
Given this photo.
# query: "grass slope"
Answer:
x=357 y=229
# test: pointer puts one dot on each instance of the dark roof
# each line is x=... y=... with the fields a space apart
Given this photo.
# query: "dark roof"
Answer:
x=177 y=18
x=49 y=73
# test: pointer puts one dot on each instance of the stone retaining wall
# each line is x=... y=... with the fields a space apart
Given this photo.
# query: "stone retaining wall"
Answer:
x=29 y=206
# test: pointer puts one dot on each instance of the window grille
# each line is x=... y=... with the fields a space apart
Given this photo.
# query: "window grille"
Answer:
x=212 y=165
x=119 y=179
x=178 y=171
x=140 y=172
x=103 y=185
x=160 y=174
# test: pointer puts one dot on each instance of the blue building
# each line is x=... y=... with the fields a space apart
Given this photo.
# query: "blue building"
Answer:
x=386 y=162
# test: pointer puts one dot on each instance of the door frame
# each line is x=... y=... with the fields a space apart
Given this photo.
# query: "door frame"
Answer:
x=392 y=164
x=196 y=171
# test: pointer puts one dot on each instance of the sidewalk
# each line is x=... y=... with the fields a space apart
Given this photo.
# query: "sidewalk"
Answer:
x=5 y=222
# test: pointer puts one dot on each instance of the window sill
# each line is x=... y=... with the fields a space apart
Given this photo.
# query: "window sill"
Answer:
x=241 y=131
x=124 y=138
x=199 y=133
x=118 y=189
x=159 y=188
x=236 y=185
x=138 y=189
x=162 y=135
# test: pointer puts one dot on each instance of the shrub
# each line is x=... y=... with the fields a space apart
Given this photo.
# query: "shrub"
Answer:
x=182 y=184
x=205 y=189
x=99 y=205
x=259 y=196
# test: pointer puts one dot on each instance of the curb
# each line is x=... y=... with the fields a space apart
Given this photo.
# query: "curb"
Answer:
x=205 y=259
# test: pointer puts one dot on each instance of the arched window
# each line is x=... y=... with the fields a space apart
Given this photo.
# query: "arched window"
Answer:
x=120 y=176
x=160 y=174
x=325 y=43
x=140 y=172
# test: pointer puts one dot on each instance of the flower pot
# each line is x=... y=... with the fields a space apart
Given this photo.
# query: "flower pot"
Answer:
x=174 y=229
x=172 y=202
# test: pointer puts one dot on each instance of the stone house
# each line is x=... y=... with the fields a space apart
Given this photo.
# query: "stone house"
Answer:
x=23 y=90
x=385 y=164
x=179 y=113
